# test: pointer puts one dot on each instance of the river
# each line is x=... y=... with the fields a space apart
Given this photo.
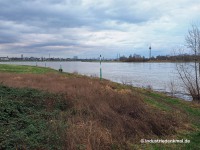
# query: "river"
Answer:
x=157 y=76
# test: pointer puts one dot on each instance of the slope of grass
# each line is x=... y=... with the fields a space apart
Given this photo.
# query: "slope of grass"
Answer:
x=189 y=109
x=96 y=114
x=24 y=69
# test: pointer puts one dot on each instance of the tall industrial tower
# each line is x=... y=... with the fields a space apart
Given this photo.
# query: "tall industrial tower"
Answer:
x=150 y=52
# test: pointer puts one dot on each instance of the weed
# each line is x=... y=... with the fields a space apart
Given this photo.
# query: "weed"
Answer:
x=25 y=121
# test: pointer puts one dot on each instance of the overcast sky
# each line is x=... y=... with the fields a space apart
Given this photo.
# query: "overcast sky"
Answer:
x=88 y=28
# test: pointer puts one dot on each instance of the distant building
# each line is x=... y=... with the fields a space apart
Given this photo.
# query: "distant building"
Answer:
x=75 y=57
x=4 y=59
x=136 y=56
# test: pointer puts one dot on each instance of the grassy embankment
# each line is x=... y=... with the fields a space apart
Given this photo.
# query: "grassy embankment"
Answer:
x=44 y=109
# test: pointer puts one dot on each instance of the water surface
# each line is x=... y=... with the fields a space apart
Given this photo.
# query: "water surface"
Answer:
x=157 y=76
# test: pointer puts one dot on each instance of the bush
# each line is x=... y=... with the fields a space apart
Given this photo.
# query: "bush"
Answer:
x=26 y=119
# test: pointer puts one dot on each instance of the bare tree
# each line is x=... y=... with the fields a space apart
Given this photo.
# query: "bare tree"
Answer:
x=190 y=72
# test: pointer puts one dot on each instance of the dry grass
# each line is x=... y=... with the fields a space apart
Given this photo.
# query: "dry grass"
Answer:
x=100 y=115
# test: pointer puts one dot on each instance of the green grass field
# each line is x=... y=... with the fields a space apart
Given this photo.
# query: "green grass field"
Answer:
x=24 y=69
x=192 y=111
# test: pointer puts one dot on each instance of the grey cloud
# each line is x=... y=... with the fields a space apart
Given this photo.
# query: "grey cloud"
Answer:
x=72 y=22
x=59 y=13
x=120 y=14
x=7 y=35
x=7 y=38
x=52 y=44
x=44 y=13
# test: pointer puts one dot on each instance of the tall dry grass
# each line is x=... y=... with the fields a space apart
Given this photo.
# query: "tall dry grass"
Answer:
x=100 y=116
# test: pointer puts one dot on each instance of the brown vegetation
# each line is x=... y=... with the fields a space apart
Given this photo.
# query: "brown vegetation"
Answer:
x=101 y=115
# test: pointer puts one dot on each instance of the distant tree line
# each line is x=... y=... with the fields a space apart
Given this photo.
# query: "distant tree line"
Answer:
x=133 y=58
x=181 y=57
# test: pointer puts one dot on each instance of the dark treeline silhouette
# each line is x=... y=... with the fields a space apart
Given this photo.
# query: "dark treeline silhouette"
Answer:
x=133 y=58
x=181 y=57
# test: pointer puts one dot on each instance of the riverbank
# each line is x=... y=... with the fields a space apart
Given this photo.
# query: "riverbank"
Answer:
x=47 y=109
